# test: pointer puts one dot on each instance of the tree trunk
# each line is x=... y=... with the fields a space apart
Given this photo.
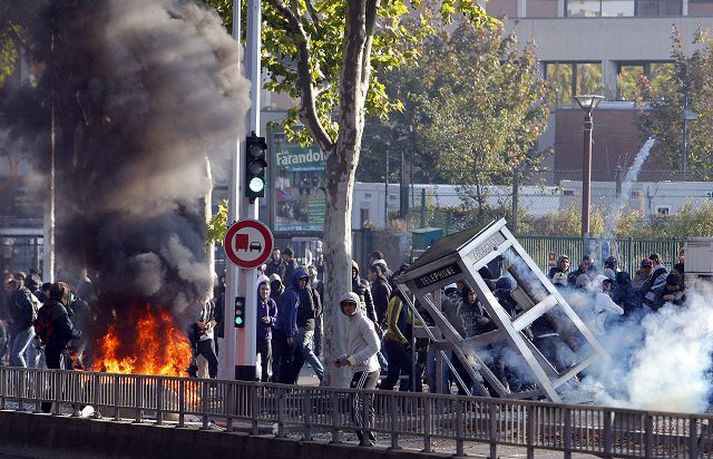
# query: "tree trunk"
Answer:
x=341 y=172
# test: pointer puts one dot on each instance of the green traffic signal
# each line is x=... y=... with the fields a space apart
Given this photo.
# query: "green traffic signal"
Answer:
x=255 y=166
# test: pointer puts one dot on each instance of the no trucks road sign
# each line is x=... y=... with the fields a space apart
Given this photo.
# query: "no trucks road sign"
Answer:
x=248 y=243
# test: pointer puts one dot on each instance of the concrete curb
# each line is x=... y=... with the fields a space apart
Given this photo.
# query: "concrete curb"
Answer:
x=58 y=437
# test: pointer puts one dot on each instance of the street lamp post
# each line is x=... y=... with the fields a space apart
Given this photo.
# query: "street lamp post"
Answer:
x=686 y=116
x=588 y=103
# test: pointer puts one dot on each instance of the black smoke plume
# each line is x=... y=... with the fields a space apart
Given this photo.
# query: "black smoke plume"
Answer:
x=142 y=92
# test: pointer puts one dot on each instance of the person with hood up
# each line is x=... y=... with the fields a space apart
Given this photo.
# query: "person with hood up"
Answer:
x=295 y=330
x=362 y=346
x=283 y=337
x=603 y=304
x=276 y=288
x=266 y=318
x=562 y=266
x=308 y=311
x=56 y=330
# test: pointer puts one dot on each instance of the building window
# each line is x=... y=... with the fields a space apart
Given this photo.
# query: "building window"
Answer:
x=594 y=8
x=700 y=7
x=572 y=78
x=629 y=73
x=542 y=9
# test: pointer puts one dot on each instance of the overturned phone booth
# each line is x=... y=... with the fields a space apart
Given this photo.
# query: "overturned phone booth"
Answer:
x=471 y=256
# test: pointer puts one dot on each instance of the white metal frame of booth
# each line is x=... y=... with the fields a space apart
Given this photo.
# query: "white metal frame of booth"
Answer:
x=460 y=257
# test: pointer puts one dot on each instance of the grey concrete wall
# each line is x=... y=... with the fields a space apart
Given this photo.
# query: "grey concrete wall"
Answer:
x=40 y=435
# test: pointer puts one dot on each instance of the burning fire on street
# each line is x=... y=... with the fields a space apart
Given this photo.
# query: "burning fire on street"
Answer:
x=143 y=341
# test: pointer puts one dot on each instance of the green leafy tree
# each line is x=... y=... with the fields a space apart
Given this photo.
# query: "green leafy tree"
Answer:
x=322 y=54
x=485 y=107
x=688 y=87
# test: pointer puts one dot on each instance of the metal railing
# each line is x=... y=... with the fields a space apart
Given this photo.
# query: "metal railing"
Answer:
x=321 y=413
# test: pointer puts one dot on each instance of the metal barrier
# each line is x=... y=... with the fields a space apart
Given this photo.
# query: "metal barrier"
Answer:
x=630 y=251
x=454 y=421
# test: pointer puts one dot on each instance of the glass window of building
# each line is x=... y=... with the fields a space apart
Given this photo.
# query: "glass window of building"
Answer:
x=572 y=78
x=629 y=74
x=502 y=8
x=542 y=9
x=587 y=8
x=700 y=7
x=622 y=8
x=617 y=8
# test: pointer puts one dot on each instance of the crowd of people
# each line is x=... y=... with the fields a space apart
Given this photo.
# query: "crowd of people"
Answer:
x=37 y=321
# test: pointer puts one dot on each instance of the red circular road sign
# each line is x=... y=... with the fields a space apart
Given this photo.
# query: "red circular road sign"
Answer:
x=248 y=243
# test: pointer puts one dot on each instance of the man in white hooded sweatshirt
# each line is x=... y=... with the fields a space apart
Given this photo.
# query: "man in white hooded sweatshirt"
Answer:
x=362 y=346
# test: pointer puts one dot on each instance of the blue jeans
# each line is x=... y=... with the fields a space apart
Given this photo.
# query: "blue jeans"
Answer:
x=20 y=351
x=304 y=343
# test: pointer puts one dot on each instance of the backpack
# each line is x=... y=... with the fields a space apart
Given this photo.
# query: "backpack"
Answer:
x=43 y=324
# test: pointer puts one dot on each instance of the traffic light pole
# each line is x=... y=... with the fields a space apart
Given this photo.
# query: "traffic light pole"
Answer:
x=239 y=352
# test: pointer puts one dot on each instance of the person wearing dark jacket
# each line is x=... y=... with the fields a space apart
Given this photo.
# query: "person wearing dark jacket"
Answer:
x=380 y=291
x=308 y=310
x=361 y=288
x=586 y=267
x=285 y=330
x=275 y=265
x=276 y=288
x=657 y=280
x=397 y=344
x=23 y=312
x=266 y=319
x=55 y=328
x=671 y=292
x=562 y=266
x=288 y=256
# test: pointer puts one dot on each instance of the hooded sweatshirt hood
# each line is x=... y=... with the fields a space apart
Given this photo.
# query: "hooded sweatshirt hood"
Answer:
x=354 y=298
x=298 y=274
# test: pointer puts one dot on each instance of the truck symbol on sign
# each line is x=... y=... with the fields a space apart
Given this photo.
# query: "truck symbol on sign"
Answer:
x=241 y=241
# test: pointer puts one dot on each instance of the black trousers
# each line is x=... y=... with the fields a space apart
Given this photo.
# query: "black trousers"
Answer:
x=364 y=380
x=282 y=355
x=399 y=362
x=264 y=349
x=56 y=358
x=206 y=348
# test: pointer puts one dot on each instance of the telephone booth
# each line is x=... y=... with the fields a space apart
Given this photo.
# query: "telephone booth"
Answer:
x=537 y=338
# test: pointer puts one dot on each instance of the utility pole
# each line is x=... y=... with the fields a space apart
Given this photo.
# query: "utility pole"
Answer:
x=239 y=353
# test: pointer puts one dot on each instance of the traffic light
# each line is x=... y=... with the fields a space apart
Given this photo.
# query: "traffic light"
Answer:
x=239 y=321
x=255 y=167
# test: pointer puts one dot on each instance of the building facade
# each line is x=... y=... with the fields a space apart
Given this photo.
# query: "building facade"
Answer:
x=600 y=47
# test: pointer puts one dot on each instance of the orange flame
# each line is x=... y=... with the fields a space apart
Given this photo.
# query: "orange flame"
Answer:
x=158 y=347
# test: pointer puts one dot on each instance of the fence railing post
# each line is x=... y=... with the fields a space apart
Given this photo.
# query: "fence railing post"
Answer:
x=38 y=391
x=692 y=437
x=182 y=403
x=530 y=431
x=460 y=428
x=139 y=394
x=159 y=401
x=493 y=428
x=649 y=438
x=204 y=404
x=567 y=433
x=336 y=407
x=427 y=424
x=255 y=407
x=3 y=387
x=307 y=415
x=394 y=425
x=608 y=434
x=281 y=394
x=117 y=395
x=96 y=387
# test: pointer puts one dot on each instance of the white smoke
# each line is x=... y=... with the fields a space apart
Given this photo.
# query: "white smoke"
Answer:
x=631 y=176
x=661 y=362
